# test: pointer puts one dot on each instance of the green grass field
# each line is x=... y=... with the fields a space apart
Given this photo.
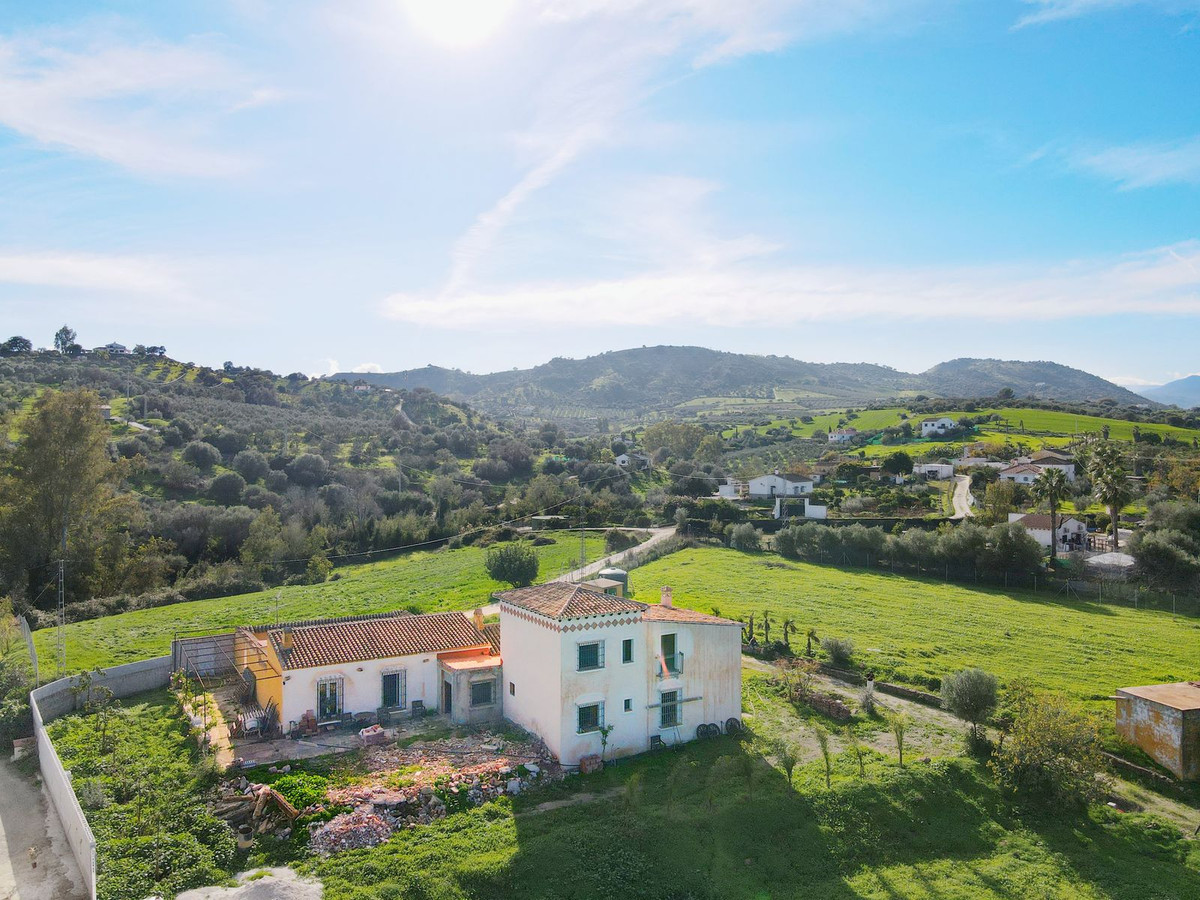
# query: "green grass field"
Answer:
x=717 y=821
x=428 y=582
x=916 y=630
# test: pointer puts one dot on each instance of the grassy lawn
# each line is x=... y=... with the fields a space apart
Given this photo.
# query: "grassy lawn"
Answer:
x=716 y=820
x=424 y=582
x=916 y=630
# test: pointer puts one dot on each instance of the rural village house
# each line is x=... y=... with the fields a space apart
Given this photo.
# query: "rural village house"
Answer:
x=1072 y=534
x=765 y=487
x=842 y=435
x=937 y=426
x=575 y=660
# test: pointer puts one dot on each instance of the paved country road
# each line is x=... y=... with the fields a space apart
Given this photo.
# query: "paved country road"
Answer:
x=28 y=820
x=657 y=536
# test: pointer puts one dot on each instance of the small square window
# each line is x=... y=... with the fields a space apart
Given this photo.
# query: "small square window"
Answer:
x=627 y=650
x=591 y=717
x=483 y=693
x=512 y=689
x=591 y=656
x=628 y=705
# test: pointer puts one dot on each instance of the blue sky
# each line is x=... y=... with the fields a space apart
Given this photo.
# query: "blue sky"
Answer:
x=487 y=184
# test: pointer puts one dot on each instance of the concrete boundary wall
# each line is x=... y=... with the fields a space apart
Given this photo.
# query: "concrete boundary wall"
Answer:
x=57 y=698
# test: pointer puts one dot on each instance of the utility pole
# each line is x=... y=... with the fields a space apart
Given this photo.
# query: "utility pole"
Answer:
x=61 y=619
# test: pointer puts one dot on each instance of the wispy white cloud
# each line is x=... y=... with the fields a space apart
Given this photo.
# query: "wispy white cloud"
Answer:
x=147 y=106
x=367 y=367
x=91 y=272
x=1160 y=281
x=1141 y=165
x=615 y=54
x=1056 y=10
x=1131 y=381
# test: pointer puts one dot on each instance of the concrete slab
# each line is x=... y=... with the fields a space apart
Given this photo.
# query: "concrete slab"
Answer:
x=261 y=884
x=27 y=820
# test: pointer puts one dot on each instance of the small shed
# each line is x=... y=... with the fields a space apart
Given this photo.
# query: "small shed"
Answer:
x=606 y=586
x=1164 y=721
x=614 y=574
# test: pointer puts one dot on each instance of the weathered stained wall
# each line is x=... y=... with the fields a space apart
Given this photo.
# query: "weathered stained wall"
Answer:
x=1170 y=736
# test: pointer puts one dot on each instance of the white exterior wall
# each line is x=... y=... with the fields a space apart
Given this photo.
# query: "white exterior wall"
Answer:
x=712 y=672
x=611 y=685
x=934 y=470
x=777 y=486
x=532 y=661
x=1020 y=478
x=936 y=426
x=363 y=684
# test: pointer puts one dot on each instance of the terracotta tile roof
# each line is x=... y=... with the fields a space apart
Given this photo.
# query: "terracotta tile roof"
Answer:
x=1023 y=469
x=491 y=633
x=375 y=638
x=560 y=600
x=660 y=613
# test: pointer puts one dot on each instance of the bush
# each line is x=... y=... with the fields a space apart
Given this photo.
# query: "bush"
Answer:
x=514 y=563
x=839 y=650
x=201 y=455
x=743 y=537
x=251 y=465
x=227 y=488
x=1050 y=750
x=970 y=695
x=616 y=540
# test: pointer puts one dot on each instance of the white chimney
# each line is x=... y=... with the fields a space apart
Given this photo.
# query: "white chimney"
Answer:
x=665 y=599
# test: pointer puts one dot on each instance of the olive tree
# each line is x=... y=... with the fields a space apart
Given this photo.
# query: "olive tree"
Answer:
x=970 y=695
x=513 y=563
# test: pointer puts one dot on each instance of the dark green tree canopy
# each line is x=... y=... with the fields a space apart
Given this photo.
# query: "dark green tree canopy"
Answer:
x=514 y=563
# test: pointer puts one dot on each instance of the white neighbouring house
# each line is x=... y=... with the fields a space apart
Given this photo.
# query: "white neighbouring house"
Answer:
x=1021 y=473
x=765 y=487
x=939 y=471
x=634 y=461
x=577 y=661
x=732 y=489
x=842 y=435
x=1072 y=534
x=937 y=426
x=1050 y=459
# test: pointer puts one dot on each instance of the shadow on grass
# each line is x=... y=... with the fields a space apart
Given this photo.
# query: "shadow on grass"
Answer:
x=715 y=821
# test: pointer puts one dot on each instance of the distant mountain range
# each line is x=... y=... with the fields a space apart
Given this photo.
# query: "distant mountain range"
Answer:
x=656 y=379
x=1184 y=393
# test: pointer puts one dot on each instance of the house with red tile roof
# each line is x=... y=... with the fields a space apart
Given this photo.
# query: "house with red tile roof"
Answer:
x=593 y=673
x=587 y=670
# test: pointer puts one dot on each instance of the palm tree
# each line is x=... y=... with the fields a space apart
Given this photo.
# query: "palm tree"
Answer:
x=766 y=624
x=1110 y=482
x=1112 y=489
x=1051 y=488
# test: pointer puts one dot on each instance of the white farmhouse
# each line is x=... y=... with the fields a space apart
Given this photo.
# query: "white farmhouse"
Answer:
x=776 y=485
x=578 y=661
x=934 y=427
x=1072 y=534
x=937 y=471
x=633 y=461
x=1051 y=459
x=732 y=489
x=842 y=435
x=1021 y=473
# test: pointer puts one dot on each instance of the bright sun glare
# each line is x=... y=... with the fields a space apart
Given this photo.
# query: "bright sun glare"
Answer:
x=458 y=23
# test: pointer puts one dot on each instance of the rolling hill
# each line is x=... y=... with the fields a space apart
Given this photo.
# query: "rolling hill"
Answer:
x=655 y=379
x=1184 y=392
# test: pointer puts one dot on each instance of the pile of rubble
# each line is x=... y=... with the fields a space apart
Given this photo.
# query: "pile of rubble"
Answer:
x=350 y=831
x=256 y=809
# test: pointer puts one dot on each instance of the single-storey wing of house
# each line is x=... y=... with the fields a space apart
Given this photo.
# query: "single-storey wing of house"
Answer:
x=937 y=426
x=1072 y=534
x=331 y=669
x=1164 y=721
x=594 y=673
x=777 y=485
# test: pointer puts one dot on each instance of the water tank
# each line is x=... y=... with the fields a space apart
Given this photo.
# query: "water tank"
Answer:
x=616 y=575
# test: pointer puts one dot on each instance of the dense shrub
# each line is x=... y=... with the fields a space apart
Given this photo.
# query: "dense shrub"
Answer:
x=201 y=455
x=839 y=650
x=226 y=488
